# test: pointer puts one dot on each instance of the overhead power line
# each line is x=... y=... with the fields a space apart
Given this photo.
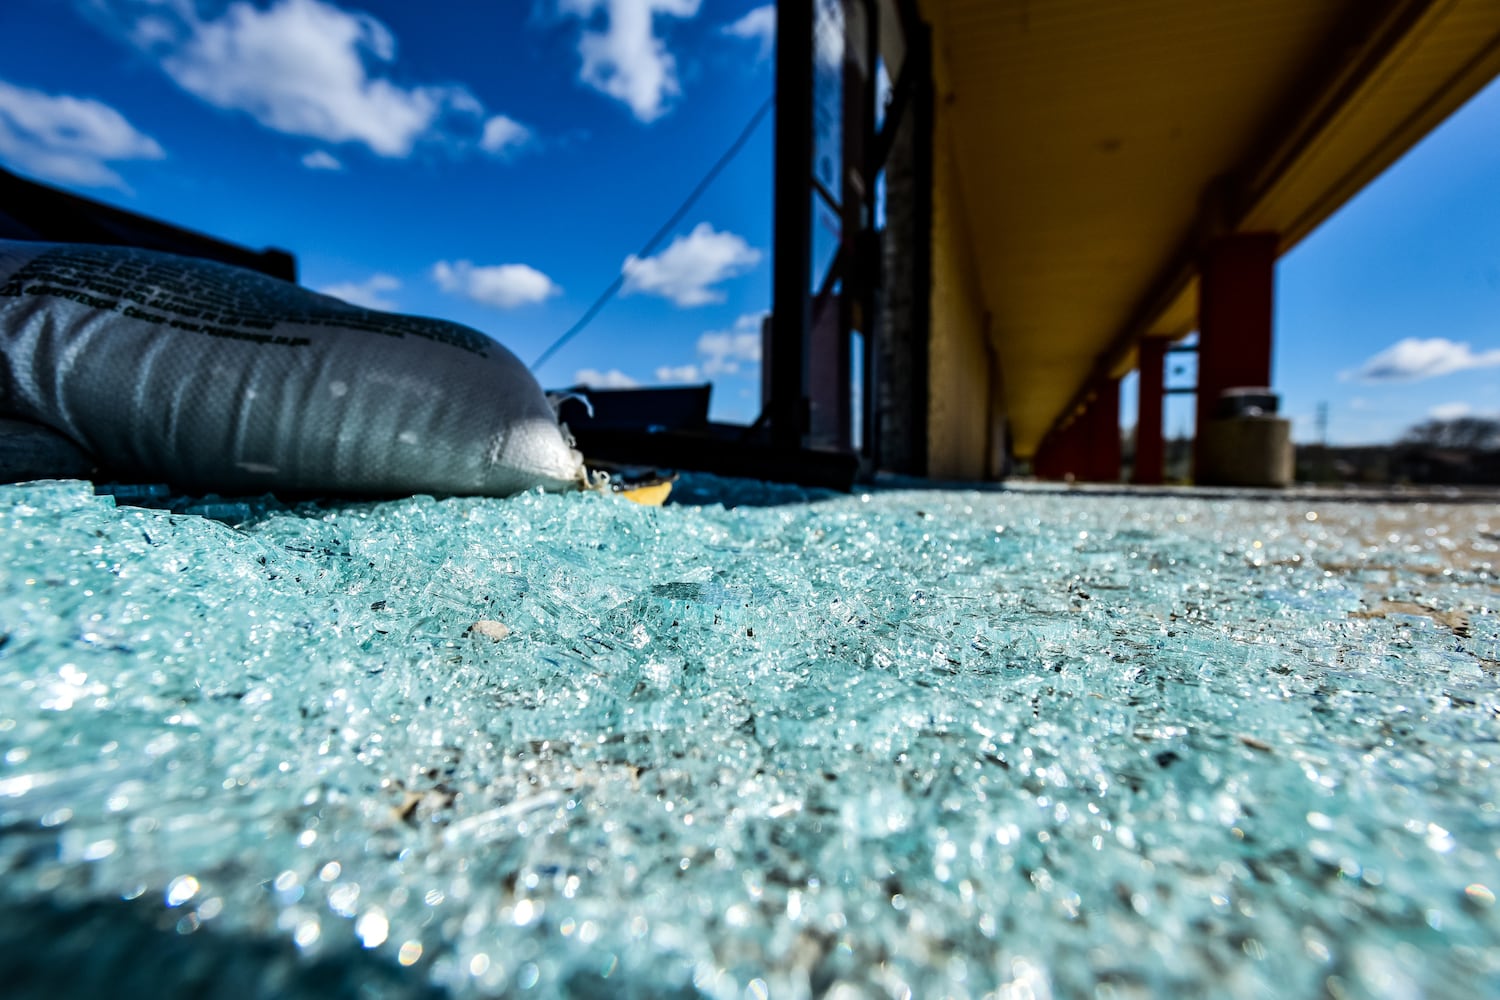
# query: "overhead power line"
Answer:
x=662 y=233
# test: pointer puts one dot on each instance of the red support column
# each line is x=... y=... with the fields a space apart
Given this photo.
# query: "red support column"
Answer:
x=1236 y=288
x=1081 y=455
x=1041 y=463
x=1076 y=458
x=1060 y=454
x=1041 y=460
x=1088 y=448
x=1048 y=463
x=1150 y=450
x=1103 y=420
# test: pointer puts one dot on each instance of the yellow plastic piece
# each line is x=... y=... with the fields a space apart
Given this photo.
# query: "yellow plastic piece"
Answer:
x=650 y=495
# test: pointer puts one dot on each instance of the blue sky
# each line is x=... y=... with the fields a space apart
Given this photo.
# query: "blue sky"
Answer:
x=497 y=163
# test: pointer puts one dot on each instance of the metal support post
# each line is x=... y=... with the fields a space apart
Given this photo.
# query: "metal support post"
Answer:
x=791 y=298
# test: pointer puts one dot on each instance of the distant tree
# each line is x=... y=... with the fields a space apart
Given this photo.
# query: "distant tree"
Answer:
x=1468 y=433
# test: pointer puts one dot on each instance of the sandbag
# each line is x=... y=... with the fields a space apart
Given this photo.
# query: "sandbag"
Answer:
x=219 y=379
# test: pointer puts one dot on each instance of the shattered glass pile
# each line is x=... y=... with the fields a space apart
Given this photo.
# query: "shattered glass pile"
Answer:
x=909 y=744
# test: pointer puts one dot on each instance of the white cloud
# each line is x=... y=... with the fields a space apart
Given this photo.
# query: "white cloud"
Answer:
x=679 y=373
x=301 y=67
x=304 y=68
x=595 y=379
x=1450 y=411
x=66 y=139
x=503 y=135
x=626 y=59
x=758 y=25
x=504 y=286
x=368 y=294
x=686 y=269
x=828 y=41
x=723 y=351
x=320 y=159
x=1413 y=359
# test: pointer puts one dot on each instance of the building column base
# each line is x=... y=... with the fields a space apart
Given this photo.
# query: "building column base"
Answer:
x=1246 y=451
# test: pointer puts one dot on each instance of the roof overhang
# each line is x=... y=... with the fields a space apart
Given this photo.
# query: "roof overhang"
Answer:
x=1100 y=144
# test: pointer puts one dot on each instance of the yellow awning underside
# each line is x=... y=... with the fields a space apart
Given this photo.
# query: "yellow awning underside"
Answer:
x=1098 y=142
